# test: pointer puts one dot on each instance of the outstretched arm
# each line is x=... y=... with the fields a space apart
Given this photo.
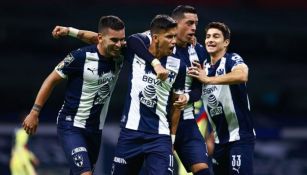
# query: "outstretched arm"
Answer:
x=31 y=121
x=83 y=35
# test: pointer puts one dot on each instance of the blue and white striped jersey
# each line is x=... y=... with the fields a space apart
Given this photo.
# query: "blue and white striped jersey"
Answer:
x=91 y=81
x=148 y=101
x=188 y=55
x=228 y=106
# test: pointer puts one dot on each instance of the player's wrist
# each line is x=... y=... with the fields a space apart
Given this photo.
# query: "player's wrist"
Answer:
x=73 y=32
x=155 y=62
x=36 y=108
x=173 y=137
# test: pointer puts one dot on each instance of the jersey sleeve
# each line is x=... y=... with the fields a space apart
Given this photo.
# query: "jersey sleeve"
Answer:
x=234 y=60
x=139 y=44
x=70 y=65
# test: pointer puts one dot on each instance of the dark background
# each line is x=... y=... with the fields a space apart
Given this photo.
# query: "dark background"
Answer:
x=270 y=35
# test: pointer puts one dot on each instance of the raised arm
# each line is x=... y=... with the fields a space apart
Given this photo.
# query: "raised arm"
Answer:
x=31 y=121
x=137 y=43
x=83 y=35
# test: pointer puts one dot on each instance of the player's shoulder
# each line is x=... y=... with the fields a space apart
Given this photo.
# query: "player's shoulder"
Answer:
x=81 y=52
x=234 y=57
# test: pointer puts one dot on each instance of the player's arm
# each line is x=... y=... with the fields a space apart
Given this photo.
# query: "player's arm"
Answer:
x=31 y=121
x=175 y=113
x=238 y=74
x=83 y=35
x=136 y=42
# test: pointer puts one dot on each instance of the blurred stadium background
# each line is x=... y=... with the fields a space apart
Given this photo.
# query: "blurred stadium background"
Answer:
x=270 y=35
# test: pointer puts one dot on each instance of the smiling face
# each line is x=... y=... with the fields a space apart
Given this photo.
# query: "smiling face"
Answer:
x=111 y=42
x=186 y=28
x=215 y=41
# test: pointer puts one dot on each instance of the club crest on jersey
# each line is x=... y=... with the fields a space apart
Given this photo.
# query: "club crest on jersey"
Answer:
x=171 y=76
x=220 y=71
x=148 y=96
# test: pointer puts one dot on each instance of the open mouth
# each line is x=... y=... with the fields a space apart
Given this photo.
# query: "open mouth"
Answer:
x=191 y=35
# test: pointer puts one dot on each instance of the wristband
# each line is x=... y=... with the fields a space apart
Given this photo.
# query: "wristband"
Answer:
x=36 y=107
x=173 y=136
x=155 y=62
x=73 y=32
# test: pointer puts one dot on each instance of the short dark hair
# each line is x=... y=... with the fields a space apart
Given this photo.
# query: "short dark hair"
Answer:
x=180 y=10
x=112 y=22
x=162 y=22
x=220 y=26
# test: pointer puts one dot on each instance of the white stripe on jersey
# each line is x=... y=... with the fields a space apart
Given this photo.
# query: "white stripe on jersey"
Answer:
x=188 y=110
x=138 y=70
x=88 y=91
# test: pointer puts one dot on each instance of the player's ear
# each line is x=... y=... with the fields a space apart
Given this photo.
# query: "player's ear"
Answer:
x=155 y=38
x=100 y=37
x=226 y=43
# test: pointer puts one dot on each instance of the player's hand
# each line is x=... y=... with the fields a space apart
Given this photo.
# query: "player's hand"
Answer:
x=196 y=71
x=31 y=122
x=161 y=72
x=60 y=31
x=181 y=102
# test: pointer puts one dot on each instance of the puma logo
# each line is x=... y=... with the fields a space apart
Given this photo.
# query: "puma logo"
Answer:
x=236 y=169
x=92 y=70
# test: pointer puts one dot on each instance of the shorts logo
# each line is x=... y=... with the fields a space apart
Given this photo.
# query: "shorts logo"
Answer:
x=78 y=159
x=236 y=163
x=77 y=156
x=120 y=160
x=78 y=149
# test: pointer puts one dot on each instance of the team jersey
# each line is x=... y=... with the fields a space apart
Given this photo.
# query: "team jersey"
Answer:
x=148 y=101
x=227 y=106
x=91 y=81
x=188 y=55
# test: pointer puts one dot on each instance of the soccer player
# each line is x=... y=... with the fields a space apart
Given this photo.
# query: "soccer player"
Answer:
x=148 y=113
x=226 y=102
x=91 y=74
x=189 y=144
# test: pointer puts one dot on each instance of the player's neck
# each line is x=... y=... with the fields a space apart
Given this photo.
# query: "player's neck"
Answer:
x=103 y=52
x=215 y=57
x=154 y=51
x=181 y=43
